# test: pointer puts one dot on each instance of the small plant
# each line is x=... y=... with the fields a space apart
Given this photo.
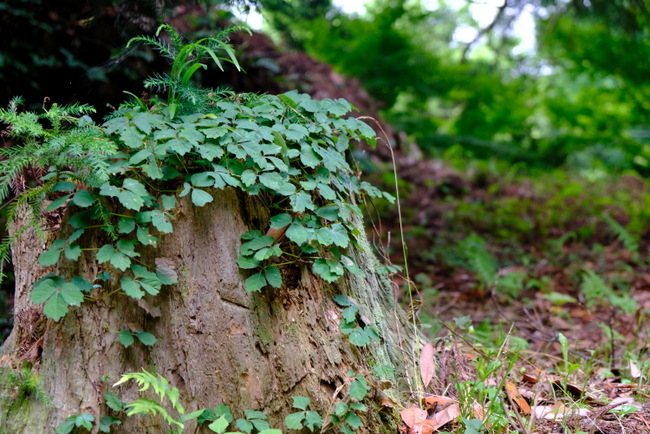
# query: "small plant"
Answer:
x=186 y=60
x=344 y=416
x=255 y=421
x=76 y=421
x=127 y=338
x=26 y=384
x=304 y=418
x=165 y=392
x=353 y=324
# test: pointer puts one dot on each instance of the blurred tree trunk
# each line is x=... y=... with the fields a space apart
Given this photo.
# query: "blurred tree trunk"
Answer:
x=217 y=343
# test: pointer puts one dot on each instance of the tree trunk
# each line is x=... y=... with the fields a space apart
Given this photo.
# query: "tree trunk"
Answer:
x=216 y=343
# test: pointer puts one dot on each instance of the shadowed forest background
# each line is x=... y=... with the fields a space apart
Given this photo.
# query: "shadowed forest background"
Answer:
x=521 y=172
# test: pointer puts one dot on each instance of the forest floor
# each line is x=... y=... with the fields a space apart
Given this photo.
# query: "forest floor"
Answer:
x=534 y=289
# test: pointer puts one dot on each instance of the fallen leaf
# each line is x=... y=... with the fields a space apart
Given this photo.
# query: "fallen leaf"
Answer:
x=446 y=415
x=413 y=415
x=154 y=311
x=515 y=396
x=434 y=401
x=427 y=368
x=387 y=401
x=277 y=234
x=478 y=411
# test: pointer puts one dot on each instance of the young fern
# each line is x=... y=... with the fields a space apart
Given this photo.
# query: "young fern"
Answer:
x=186 y=60
x=72 y=151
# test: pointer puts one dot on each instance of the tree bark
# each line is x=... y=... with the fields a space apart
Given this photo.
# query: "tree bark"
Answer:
x=216 y=343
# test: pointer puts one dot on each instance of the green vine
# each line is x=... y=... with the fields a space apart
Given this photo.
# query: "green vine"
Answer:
x=288 y=149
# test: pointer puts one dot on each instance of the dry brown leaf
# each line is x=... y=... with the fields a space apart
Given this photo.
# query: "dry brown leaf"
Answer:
x=413 y=415
x=478 y=411
x=387 y=401
x=515 y=396
x=433 y=401
x=277 y=234
x=446 y=415
x=427 y=368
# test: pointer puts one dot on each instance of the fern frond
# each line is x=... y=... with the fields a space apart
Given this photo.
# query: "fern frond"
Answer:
x=629 y=241
x=164 y=49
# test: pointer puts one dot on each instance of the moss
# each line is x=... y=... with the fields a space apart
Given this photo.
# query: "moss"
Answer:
x=20 y=400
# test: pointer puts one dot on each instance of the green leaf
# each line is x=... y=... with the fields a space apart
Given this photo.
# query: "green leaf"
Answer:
x=81 y=283
x=161 y=222
x=264 y=254
x=71 y=294
x=135 y=186
x=313 y=419
x=131 y=287
x=297 y=233
x=244 y=425
x=130 y=200
x=248 y=177
x=146 y=338
x=294 y=420
x=340 y=409
x=271 y=431
x=301 y=201
x=247 y=263
x=57 y=203
x=255 y=282
x=83 y=198
x=219 y=425
x=168 y=202
x=272 y=180
x=256 y=244
x=326 y=191
x=109 y=190
x=43 y=290
x=358 y=387
x=113 y=402
x=329 y=212
x=308 y=157
x=75 y=235
x=280 y=221
x=324 y=236
x=131 y=137
x=202 y=179
x=353 y=420
x=343 y=300
x=251 y=235
x=200 y=197
x=64 y=186
x=300 y=402
x=253 y=414
x=106 y=422
x=127 y=247
x=145 y=238
x=273 y=276
x=65 y=427
x=358 y=337
x=339 y=235
x=125 y=337
x=105 y=253
x=120 y=261
x=51 y=256
x=126 y=225
x=56 y=307
x=322 y=268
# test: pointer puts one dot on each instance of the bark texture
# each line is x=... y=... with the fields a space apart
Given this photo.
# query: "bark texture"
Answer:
x=217 y=343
